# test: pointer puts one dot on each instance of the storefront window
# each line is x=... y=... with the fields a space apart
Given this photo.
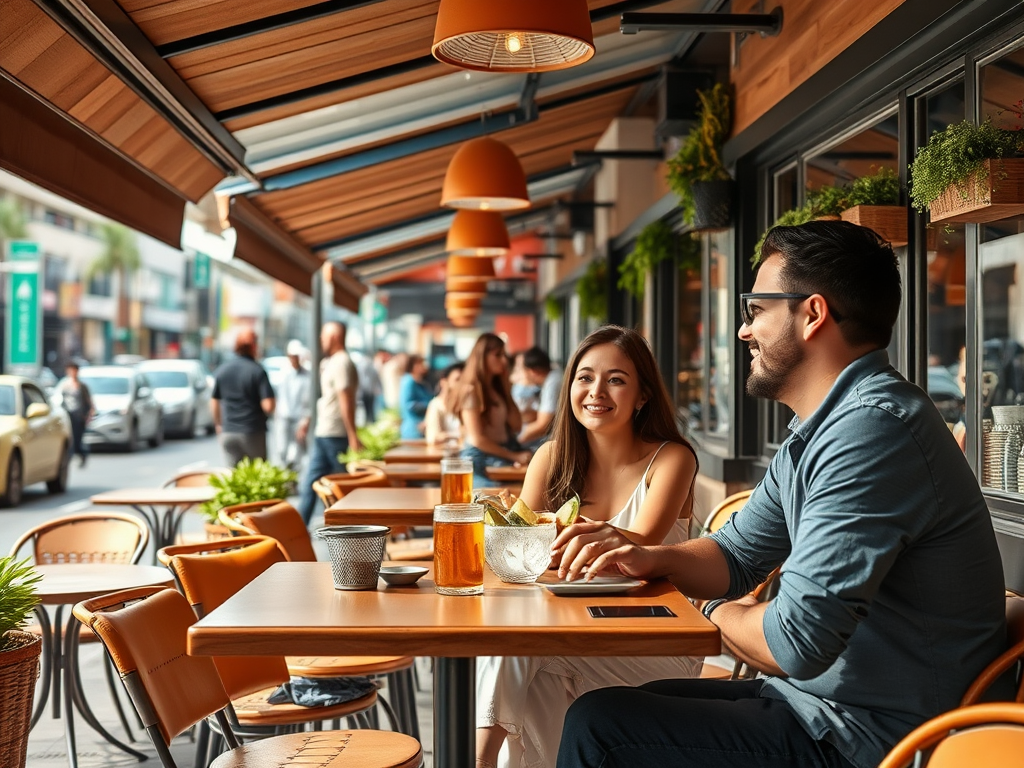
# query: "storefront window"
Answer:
x=690 y=377
x=1001 y=302
x=721 y=342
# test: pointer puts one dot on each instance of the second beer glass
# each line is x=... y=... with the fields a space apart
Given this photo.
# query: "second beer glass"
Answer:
x=459 y=549
x=456 y=481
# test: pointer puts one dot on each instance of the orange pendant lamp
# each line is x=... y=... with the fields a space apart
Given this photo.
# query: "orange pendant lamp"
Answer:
x=458 y=301
x=470 y=289
x=513 y=35
x=462 y=321
x=485 y=174
x=477 y=233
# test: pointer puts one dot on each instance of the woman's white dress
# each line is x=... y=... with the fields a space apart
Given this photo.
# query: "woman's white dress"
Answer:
x=528 y=696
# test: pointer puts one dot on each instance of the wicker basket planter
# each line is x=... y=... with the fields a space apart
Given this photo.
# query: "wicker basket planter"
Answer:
x=889 y=221
x=712 y=204
x=995 y=192
x=19 y=670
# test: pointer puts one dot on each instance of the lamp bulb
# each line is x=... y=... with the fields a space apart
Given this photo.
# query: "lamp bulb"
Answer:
x=513 y=43
x=484 y=205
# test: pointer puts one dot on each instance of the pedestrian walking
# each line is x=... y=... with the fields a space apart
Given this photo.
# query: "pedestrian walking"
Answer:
x=77 y=401
x=241 y=402
x=335 y=430
x=292 y=409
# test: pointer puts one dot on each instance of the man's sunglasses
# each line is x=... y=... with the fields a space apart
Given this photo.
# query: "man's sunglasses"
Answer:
x=746 y=298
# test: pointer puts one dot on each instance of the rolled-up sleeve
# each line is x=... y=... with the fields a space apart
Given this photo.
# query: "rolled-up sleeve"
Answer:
x=847 y=533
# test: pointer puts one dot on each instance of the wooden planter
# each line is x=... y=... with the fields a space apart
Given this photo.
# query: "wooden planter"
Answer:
x=19 y=670
x=889 y=221
x=995 y=192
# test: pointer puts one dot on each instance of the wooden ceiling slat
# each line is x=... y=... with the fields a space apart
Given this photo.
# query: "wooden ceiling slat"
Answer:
x=165 y=21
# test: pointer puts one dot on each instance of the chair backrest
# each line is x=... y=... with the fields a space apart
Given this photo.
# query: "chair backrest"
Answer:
x=279 y=521
x=211 y=572
x=725 y=509
x=990 y=735
x=325 y=493
x=1012 y=658
x=195 y=478
x=343 y=482
x=90 y=537
x=145 y=631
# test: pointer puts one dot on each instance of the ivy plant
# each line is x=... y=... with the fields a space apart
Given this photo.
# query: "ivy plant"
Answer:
x=952 y=155
x=655 y=243
x=250 y=480
x=553 y=308
x=592 y=288
x=699 y=157
x=18 y=596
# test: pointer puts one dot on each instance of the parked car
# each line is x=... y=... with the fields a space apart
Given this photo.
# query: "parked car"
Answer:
x=127 y=412
x=35 y=440
x=181 y=388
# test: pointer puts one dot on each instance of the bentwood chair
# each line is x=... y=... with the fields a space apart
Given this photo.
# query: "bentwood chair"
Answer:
x=343 y=482
x=725 y=509
x=989 y=735
x=1012 y=658
x=145 y=631
x=283 y=523
x=195 y=478
x=90 y=537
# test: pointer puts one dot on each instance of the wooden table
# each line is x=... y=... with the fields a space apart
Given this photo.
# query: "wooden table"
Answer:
x=65 y=585
x=413 y=472
x=385 y=506
x=293 y=609
x=415 y=454
x=161 y=508
x=507 y=474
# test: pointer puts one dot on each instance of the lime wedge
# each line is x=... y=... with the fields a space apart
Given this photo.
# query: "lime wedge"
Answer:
x=568 y=512
x=521 y=514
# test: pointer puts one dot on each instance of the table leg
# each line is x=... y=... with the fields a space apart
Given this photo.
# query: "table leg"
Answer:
x=454 y=712
x=46 y=674
x=153 y=521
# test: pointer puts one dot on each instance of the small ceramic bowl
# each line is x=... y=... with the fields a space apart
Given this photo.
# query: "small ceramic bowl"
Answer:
x=401 y=575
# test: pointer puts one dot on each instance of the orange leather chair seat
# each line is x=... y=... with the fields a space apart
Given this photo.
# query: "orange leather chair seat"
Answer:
x=355 y=749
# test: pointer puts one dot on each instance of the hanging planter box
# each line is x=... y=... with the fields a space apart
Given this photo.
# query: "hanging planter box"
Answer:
x=994 y=192
x=889 y=221
x=712 y=204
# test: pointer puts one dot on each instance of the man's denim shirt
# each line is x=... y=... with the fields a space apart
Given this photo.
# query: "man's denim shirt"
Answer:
x=891 y=596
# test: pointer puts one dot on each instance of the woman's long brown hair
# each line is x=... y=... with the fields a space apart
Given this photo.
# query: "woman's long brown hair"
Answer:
x=654 y=423
x=476 y=381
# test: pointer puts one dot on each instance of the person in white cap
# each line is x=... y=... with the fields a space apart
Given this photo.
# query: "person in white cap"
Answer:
x=292 y=409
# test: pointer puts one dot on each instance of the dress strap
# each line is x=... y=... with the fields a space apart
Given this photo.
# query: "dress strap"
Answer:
x=651 y=464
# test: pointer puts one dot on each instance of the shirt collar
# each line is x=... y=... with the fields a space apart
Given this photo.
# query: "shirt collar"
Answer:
x=864 y=366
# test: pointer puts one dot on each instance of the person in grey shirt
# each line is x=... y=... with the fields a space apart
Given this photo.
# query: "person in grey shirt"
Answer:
x=890 y=597
x=540 y=373
x=292 y=409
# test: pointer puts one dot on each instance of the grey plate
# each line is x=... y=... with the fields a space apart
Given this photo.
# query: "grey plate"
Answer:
x=401 y=575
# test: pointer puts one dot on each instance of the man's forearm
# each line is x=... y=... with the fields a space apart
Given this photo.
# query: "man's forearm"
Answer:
x=697 y=567
x=742 y=625
x=347 y=406
x=536 y=428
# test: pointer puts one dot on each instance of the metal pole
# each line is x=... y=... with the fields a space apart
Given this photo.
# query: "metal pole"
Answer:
x=454 y=712
x=316 y=318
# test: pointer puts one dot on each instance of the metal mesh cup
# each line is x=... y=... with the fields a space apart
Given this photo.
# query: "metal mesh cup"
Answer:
x=356 y=554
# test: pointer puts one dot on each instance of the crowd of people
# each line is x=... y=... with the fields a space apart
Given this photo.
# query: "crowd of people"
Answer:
x=890 y=596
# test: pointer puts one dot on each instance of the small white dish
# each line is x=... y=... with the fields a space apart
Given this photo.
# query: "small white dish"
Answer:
x=401 y=575
x=599 y=585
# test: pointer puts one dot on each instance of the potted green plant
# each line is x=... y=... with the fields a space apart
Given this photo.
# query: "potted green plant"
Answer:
x=592 y=289
x=19 y=658
x=250 y=480
x=874 y=202
x=969 y=173
x=552 y=308
x=376 y=439
x=656 y=243
x=696 y=173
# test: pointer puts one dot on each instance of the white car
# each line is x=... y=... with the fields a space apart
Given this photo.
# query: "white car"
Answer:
x=126 y=412
x=180 y=386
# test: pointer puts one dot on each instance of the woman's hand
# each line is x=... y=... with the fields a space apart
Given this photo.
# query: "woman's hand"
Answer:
x=521 y=458
x=579 y=545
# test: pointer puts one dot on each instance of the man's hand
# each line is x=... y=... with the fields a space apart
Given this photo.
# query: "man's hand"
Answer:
x=353 y=442
x=593 y=551
x=302 y=431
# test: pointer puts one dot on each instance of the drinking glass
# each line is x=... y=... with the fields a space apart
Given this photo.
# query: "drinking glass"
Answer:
x=459 y=549
x=456 y=481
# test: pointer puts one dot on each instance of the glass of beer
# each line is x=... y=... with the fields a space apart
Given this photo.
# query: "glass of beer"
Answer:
x=456 y=481
x=459 y=549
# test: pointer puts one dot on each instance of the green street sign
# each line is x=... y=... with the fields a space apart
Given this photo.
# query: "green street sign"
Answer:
x=24 y=310
x=380 y=313
x=201 y=271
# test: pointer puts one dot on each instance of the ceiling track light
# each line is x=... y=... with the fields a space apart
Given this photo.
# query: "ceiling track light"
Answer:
x=767 y=24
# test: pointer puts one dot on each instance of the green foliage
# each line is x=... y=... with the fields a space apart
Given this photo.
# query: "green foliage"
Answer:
x=700 y=155
x=952 y=155
x=655 y=243
x=250 y=480
x=881 y=188
x=17 y=594
x=12 y=221
x=376 y=439
x=120 y=251
x=553 y=308
x=592 y=288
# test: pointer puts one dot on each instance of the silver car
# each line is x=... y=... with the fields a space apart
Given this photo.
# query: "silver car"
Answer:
x=126 y=412
x=180 y=387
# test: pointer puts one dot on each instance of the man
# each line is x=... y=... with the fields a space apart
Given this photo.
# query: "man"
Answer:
x=77 y=401
x=890 y=599
x=292 y=408
x=335 y=429
x=370 y=389
x=242 y=400
x=540 y=373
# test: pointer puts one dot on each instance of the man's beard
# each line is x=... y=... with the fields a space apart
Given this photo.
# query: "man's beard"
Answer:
x=775 y=365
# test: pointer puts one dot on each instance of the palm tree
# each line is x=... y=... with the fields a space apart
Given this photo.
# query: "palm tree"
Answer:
x=12 y=221
x=120 y=257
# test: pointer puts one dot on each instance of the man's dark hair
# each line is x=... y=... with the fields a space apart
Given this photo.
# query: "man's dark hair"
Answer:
x=853 y=268
x=452 y=369
x=413 y=360
x=536 y=359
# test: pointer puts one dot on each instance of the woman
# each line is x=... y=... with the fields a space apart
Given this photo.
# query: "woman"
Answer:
x=616 y=444
x=413 y=397
x=489 y=416
x=441 y=425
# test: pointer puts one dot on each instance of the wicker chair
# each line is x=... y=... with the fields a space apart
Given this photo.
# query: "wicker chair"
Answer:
x=145 y=631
